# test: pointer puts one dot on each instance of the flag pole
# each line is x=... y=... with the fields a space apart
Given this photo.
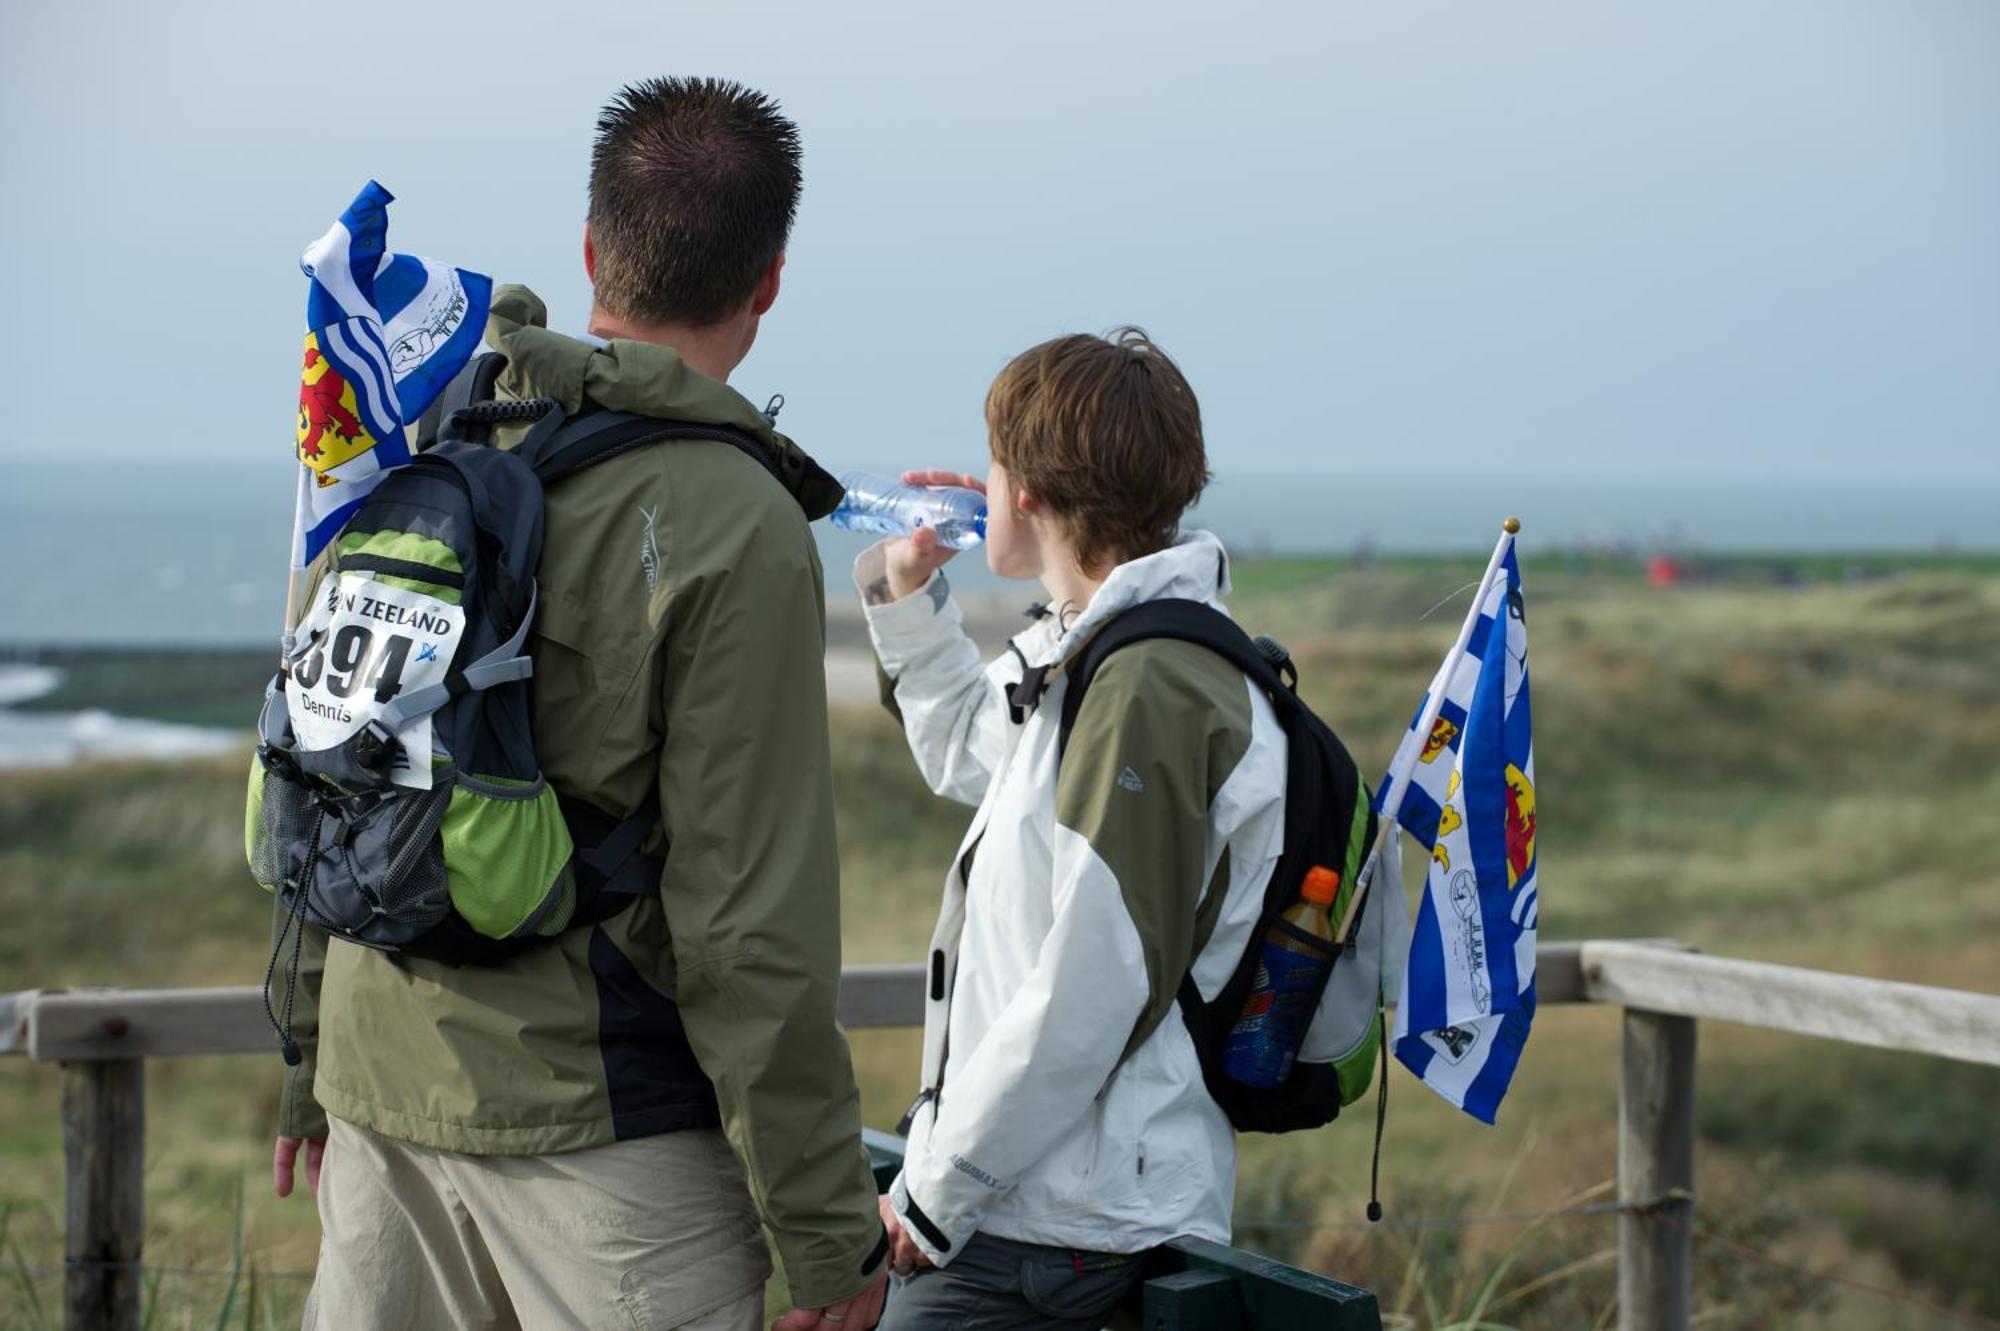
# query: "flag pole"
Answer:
x=287 y=638
x=1399 y=779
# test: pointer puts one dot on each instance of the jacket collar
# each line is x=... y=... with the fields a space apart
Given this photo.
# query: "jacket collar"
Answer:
x=1194 y=568
x=636 y=377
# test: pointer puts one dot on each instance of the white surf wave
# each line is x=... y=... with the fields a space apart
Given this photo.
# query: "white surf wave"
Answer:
x=60 y=739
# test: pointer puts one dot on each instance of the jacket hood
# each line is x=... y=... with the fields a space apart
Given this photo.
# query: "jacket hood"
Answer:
x=637 y=377
x=1194 y=568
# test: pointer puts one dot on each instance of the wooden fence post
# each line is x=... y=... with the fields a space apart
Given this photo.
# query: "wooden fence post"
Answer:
x=104 y=1150
x=1656 y=1160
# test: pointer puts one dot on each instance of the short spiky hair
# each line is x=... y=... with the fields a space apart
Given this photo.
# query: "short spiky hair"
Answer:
x=693 y=187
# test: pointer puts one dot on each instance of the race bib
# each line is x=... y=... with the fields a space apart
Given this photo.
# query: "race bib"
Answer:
x=365 y=644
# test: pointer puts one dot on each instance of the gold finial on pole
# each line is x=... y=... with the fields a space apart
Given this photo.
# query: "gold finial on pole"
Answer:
x=1511 y=526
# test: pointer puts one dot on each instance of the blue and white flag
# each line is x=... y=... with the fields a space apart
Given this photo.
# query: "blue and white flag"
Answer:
x=384 y=334
x=1468 y=991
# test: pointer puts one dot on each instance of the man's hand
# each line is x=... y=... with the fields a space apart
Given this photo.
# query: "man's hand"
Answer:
x=912 y=559
x=286 y=1156
x=905 y=1257
x=856 y=1314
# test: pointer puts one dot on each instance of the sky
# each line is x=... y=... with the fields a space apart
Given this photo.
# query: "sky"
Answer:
x=1698 y=239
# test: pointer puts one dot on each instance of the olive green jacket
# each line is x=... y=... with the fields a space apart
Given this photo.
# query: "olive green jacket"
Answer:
x=679 y=658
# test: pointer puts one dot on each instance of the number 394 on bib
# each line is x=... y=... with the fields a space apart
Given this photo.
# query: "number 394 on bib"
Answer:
x=365 y=642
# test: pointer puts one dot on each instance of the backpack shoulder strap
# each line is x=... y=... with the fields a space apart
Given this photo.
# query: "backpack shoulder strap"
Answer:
x=561 y=447
x=1186 y=621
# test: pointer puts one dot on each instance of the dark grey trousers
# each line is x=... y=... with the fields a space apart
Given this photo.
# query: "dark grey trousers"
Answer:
x=1000 y=1284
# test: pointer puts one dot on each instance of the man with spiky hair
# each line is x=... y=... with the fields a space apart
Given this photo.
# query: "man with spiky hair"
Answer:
x=588 y=1134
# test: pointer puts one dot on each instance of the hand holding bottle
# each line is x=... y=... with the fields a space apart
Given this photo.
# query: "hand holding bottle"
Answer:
x=912 y=559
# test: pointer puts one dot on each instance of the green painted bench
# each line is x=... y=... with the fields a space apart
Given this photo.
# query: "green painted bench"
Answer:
x=1195 y=1285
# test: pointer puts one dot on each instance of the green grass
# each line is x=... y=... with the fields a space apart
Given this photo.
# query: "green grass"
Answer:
x=1797 y=766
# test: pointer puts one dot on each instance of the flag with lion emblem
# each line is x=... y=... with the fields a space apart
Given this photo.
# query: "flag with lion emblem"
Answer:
x=385 y=334
x=1468 y=989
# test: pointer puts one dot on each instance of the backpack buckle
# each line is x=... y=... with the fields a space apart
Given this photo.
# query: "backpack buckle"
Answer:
x=372 y=745
x=279 y=760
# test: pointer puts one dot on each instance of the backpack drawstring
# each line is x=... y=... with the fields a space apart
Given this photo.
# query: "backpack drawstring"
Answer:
x=294 y=920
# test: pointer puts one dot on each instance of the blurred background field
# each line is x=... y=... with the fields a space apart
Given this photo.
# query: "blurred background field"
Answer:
x=1785 y=758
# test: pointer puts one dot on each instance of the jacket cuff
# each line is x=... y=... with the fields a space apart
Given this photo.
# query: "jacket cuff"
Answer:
x=901 y=630
x=818 y=1283
x=940 y=1241
x=299 y=1114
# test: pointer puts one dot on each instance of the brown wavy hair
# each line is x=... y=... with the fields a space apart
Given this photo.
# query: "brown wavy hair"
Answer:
x=1107 y=432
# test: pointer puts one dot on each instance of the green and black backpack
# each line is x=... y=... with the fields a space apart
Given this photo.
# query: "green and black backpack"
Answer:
x=396 y=800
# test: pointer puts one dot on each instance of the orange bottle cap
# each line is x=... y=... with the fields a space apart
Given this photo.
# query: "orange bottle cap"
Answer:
x=1322 y=885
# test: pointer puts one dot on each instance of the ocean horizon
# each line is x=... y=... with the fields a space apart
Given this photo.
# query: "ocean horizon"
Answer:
x=152 y=555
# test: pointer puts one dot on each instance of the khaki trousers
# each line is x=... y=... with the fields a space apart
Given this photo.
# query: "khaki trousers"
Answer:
x=637 y=1236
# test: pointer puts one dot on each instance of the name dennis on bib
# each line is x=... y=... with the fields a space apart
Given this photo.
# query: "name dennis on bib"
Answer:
x=331 y=711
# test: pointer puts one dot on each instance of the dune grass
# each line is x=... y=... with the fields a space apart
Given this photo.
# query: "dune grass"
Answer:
x=1799 y=769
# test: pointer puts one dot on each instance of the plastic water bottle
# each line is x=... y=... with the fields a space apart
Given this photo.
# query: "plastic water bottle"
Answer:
x=1290 y=971
x=884 y=506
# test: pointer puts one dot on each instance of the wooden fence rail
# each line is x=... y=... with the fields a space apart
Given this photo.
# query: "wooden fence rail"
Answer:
x=102 y=1037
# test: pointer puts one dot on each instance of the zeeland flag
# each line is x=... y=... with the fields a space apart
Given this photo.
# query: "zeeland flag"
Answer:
x=384 y=334
x=1468 y=990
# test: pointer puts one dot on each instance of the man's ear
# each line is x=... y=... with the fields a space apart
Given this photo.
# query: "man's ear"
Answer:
x=767 y=288
x=589 y=255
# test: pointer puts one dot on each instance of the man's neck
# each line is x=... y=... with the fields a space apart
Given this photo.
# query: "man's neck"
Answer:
x=714 y=350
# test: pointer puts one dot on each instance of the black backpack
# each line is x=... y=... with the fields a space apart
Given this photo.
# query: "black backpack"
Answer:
x=1329 y=820
x=487 y=861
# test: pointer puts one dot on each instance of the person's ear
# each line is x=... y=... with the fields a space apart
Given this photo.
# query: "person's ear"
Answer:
x=767 y=288
x=589 y=255
x=1026 y=502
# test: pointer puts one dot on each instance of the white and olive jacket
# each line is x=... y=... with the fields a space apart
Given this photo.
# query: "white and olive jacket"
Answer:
x=1065 y=1103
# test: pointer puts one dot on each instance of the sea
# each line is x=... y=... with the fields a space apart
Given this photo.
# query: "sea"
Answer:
x=59 y=739
x=103 y=555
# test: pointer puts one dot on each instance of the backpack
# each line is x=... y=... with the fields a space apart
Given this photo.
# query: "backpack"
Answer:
x=1329 y=820
x=396 y=800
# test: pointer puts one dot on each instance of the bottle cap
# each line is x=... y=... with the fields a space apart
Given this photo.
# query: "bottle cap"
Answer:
x=1322 y=885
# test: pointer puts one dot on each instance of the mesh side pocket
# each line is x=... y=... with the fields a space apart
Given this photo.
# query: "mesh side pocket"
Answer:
x=285 y=817
x=413 y=885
